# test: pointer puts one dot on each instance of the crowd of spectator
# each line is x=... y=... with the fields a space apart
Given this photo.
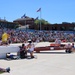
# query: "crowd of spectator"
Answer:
x=21 y=36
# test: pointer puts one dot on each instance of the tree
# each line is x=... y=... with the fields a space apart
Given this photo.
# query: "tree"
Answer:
x=37 y=22
x=43 y=22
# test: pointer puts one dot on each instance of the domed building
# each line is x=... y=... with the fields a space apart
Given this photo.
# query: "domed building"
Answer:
x=25 y=21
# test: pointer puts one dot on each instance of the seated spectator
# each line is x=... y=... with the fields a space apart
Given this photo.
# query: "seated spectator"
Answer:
x=23 y=52
x=68 y=48
x=57 y=41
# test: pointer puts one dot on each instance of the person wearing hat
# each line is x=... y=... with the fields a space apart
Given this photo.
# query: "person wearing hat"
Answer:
x=30 y=48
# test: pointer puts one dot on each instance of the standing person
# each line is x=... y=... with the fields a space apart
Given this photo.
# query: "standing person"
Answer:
x=0 y=42
x=73 y=47
x=5 y=70
x=30 y=48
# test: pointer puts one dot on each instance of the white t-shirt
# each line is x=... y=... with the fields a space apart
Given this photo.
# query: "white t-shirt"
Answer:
x=31 y=47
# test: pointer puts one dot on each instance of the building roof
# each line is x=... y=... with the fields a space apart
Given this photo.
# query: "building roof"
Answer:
x=23 y=19
x=4 y=20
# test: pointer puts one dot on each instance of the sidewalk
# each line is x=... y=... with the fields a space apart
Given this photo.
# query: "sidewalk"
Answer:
x=47 y=63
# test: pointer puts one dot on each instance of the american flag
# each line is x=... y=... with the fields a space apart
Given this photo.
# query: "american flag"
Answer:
x=39 y=10
x=24 y=16
x=36 y=18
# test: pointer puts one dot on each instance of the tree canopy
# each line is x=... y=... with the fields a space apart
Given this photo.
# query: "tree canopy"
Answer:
x=44 y=22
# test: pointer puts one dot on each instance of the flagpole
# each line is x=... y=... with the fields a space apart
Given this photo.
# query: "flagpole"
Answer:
x=40 y=20
x=25 y=18
x=25 y=24
x=39 y=10
x=25 y=21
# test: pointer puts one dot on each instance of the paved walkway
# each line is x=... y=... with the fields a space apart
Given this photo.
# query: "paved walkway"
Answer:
x=47 y=63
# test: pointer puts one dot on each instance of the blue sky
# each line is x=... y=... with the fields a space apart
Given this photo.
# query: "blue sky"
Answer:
x=54 y=11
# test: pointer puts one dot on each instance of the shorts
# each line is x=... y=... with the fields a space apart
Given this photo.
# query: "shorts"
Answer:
x=29 y=51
